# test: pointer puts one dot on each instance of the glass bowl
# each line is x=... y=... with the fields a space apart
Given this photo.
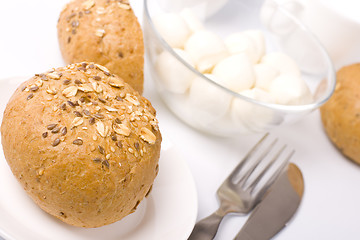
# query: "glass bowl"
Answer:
x=204 y=103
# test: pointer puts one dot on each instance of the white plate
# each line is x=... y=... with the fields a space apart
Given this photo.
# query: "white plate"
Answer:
x=168 y=213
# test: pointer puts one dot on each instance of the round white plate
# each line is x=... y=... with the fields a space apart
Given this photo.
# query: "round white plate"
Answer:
x=169 y=212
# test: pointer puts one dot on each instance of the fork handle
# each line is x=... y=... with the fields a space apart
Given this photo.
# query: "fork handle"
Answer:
x=207 y=228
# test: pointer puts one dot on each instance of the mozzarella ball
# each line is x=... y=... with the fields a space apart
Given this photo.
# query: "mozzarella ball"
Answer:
x=282 y=62
x=290 y=89
x=206 y=49
x=235 y=72
x=208 y=101
x=253 y=117
x=264 y=75
x=173 y=28
x=191 y=20
x=172 y=73
x=258 y=37
x=251 y=41
x=241 y=43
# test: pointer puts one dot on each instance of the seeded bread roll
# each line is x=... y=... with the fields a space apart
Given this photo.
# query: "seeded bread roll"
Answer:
x=106 y=32
x=341 y=114
x=83 y=144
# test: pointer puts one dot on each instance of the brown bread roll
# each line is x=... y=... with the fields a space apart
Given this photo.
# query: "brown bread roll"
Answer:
x=83 y=144
x=106 y=32
x=341 y=114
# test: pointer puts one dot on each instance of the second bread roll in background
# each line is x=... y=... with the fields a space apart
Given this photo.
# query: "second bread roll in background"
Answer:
x=341 y=114
x=106 y=32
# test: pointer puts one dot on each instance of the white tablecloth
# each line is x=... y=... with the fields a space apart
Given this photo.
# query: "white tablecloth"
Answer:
x=330 y=207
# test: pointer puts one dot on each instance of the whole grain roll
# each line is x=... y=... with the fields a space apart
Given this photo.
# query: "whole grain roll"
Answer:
x=83 y=144
x=341 y=114
x=106 y=32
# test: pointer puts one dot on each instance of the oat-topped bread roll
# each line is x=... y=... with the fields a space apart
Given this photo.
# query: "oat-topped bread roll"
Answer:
x=106 y=32
x=83 y=144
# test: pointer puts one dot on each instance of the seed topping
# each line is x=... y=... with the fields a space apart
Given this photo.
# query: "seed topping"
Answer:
x=101 y=100
x=77 y=121
x=97 y=78
x=132 y=99
x=51 y=90
x=53 y=75
x=114 y=113
x=100 y=32
x=102 y=68
x=97 y=88
x=113 y=137
x=70 y=91
x=66 y=82
x=86 y=112
x=114 y=82
x=77 y=81
x=99 y=116
x=106 y=163
x=121 y=129
x=63 y=106
x=30 y=96
x=117 y=120
x=92 y=121
x=147 y=135
x=119 y=144
x=34 y=88
x=71 y=104
x=63 y=131
x=56 y=142
x=78 y=114
x=85 y=88
x=55 y=130
x=51 y=126
x=137 y=146
x=110 y=109
x=101 y=150
x=124 y=6
x=78 y=141
x=100 y=128
x=88 y=4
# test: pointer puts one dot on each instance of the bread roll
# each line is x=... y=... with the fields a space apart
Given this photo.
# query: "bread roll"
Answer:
x=341 y=114
x=83 y=144
x=106 y=32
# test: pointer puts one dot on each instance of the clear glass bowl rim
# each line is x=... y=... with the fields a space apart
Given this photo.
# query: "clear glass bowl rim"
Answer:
x=279 y=107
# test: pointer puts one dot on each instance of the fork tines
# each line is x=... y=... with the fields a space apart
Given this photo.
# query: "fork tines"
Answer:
x=266 y=160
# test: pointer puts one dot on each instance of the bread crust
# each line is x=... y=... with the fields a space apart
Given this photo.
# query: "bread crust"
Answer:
x=341 y=114
x=106 y=32
x=83 y=144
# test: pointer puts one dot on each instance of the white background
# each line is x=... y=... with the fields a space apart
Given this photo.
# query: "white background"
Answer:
x=331 y=205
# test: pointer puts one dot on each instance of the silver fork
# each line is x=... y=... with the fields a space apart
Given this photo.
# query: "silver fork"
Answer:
x=237 y=193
